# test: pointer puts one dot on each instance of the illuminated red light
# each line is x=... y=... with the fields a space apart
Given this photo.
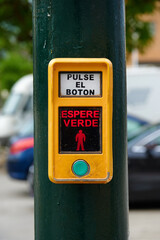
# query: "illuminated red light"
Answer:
x=81 y=122
x=81 y=118
x=80 y=114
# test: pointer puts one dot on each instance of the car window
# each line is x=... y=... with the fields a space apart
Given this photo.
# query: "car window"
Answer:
x=132 y=125
x=150 y=138
x=155 y=142
x=142 y=130
x=29 y=105
x=12 y=104
x=27 y=129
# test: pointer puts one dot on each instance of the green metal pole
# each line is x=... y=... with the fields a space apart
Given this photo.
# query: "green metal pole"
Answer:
x=80 y=28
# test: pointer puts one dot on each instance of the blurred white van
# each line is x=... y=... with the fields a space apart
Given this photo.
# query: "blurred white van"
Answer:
x=143 y=92
x=17 y=109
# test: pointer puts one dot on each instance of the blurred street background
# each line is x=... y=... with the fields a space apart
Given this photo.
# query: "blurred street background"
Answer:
x=16 y=119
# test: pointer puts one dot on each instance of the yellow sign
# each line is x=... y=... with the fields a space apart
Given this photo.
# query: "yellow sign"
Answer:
x=80 y=120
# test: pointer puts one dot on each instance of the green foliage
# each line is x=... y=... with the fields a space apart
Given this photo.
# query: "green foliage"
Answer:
x=15 y=24
x=12 y=68
x=15 y=41
x=138 y=32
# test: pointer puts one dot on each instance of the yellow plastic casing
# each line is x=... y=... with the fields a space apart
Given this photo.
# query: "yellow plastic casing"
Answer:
x=60 y=165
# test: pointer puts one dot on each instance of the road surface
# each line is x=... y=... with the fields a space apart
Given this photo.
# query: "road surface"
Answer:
x=16 y=210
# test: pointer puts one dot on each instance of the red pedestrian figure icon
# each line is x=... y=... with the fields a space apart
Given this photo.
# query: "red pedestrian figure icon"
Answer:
x=80 y=139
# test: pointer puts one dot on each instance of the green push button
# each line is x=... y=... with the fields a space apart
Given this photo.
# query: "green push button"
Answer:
x=80 y=168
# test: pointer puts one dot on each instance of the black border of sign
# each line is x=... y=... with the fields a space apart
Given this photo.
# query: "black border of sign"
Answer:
x=81 y=152
x=79 y=96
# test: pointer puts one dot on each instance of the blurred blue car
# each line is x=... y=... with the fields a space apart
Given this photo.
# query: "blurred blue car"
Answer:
x=21 y=153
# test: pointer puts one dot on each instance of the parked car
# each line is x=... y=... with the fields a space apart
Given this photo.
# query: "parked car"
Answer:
x=134 y=125
x=144 y=165
x=21 y=153
x=17 y=109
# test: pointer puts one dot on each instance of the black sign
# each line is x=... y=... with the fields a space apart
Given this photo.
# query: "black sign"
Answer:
x=80 y=129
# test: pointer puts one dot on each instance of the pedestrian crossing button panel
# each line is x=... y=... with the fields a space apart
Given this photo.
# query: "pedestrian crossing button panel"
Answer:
x=80 y=102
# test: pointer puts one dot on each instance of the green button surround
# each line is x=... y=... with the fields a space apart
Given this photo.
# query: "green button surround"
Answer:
x=80 y=168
